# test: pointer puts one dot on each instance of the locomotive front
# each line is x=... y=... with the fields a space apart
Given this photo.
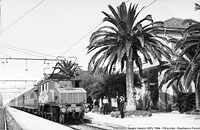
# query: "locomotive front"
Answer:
x=67 y=95
x=72 y=102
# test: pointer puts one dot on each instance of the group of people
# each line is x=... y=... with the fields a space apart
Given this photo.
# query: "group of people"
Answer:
x=107 y=105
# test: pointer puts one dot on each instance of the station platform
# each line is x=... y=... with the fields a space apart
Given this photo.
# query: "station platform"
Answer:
x=31 y=122
x=157 y=120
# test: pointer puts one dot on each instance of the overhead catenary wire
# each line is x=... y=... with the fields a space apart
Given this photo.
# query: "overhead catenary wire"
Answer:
x=150 y=4
x=26 y=51
x=29 y=52
x=69 y=47
x=19 y=18
x=14 y=22
x=81 y=39
x=8 y=80
x=98 y=26
x=84 y=36
x=34 y=59
x=75 y=42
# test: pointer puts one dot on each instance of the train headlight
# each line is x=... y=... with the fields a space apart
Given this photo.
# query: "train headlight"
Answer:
x=63 y=110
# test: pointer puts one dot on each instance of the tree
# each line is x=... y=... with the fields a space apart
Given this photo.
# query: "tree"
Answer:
x=122 y=43
x=190 y=46
x=101 y=84
x=197 y=6
x=93 y=84
x=173 y=72
x=115 y=84
x=65 y=70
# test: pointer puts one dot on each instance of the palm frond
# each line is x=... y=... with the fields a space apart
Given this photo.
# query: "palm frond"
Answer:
x=189 y=21
x=197 y=7
x=114 y=12
x=109 y=18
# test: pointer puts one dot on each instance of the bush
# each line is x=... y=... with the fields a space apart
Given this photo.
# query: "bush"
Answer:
x=186 y=102
x=193 y=112
x=175 y=107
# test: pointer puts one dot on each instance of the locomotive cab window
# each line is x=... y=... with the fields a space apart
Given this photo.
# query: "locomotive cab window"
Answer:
x=77 y=84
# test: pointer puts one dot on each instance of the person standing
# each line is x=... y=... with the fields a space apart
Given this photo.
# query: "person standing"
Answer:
x=122 y=101
x=105 y=105
x=96 y=104
x=118 y=103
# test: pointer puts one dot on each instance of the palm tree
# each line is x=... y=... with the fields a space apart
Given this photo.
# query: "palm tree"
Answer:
x=66 y=70
x=173 y=76
x=192 y=74
x=122 y=43
x=190 y=46
x=173 y=73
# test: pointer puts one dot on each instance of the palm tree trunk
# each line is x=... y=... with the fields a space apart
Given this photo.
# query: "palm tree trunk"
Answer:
x=131 y=104
x=197 y=95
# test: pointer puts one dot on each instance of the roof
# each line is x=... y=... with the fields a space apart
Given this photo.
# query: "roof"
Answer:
x=173 y=26
x=175 y=23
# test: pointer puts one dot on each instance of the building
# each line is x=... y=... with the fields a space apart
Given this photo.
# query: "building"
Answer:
x=167 y=96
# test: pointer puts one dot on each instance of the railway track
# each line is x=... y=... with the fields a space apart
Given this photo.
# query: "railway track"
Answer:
x=3 y=123
x=89 y=126
x=86 y=126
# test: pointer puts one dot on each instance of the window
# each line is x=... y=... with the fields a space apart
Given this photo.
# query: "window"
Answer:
x=32 y=95
x=46 y=87
x=43 y=87
x=77 y=84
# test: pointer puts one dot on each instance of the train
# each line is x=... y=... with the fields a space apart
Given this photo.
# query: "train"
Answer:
x=59 y=100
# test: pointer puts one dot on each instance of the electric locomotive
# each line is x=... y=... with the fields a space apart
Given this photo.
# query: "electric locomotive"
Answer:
x=61 y=100
x=58 y=96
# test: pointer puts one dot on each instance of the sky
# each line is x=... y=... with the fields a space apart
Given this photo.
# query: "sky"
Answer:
x=53 y=28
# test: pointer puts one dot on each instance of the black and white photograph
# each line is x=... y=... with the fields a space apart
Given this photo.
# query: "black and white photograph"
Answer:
x=99 y=64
